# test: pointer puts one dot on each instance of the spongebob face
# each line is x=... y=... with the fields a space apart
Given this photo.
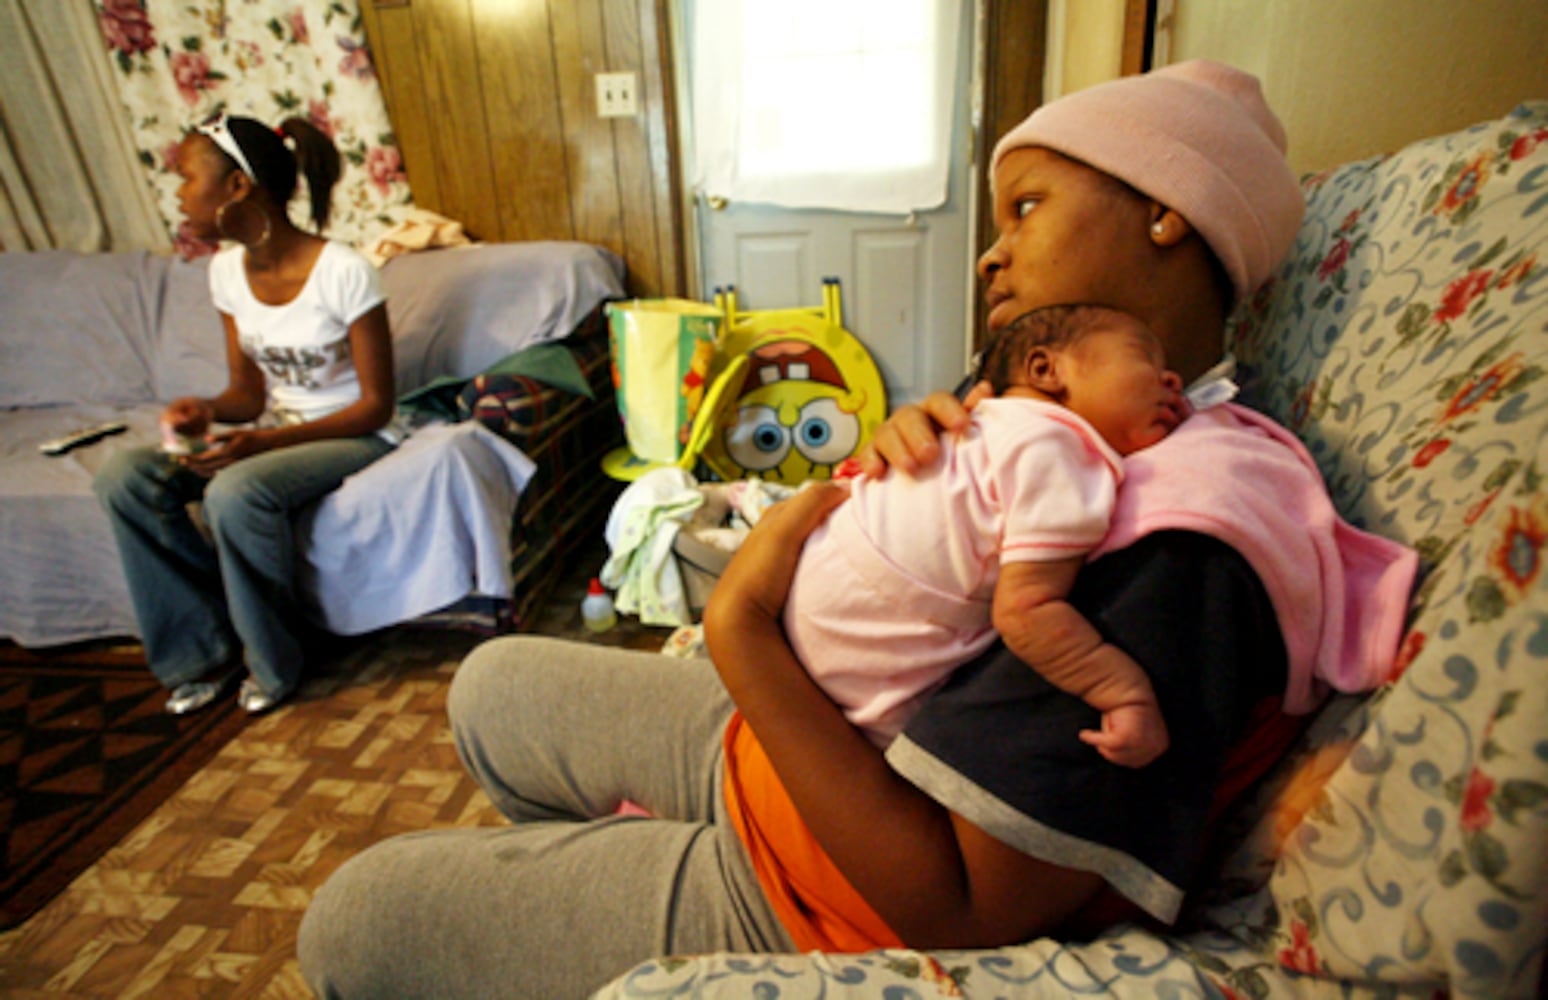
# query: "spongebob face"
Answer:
x=790 y=440
x=800 y=413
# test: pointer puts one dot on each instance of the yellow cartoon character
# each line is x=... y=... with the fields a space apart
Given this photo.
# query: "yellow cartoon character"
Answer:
x=810 y=399
x=795 y=418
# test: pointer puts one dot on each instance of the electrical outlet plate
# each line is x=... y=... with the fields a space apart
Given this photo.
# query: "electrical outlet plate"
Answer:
x=616 y=95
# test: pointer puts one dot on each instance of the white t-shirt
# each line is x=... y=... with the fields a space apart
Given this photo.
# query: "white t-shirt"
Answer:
x=302 y=346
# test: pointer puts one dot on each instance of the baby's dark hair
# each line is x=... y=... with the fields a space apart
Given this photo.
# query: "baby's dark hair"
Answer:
x=275 y=166
x=1050 y=326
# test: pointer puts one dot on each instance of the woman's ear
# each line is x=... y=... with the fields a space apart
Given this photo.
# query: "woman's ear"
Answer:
x=1043 y=373
x=1167 y=228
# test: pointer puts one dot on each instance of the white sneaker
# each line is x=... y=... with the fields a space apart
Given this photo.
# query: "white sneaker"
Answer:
x=255 y=699
x=195 y=695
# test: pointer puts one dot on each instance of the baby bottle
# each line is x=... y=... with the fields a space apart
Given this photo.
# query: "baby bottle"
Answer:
x=597 y=608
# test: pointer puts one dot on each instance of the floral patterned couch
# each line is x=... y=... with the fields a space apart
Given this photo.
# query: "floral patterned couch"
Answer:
x=1403 y=849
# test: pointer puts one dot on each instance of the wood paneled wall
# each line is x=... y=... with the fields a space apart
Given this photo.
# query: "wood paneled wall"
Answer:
x=1016 y=42
x=494 y=106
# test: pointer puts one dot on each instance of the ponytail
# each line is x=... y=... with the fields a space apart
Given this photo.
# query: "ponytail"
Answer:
x=318 y=160
x=277 y=155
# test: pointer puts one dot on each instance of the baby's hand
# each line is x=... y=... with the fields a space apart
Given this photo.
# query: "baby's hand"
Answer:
x=1131 y=735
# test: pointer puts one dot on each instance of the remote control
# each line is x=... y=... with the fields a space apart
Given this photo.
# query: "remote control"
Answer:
x=86 y=435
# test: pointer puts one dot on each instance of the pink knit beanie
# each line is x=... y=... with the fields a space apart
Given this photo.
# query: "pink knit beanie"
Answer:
x=1197 y=137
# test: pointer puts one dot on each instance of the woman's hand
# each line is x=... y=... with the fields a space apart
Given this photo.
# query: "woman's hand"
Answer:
x=909 y=439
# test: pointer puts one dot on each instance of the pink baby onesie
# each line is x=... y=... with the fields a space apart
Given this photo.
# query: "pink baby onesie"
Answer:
x=895 y=590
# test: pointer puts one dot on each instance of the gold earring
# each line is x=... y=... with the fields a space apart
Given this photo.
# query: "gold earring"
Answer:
x=220 y=227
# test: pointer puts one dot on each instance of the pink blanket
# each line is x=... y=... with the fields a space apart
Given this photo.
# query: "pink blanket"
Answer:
x=1340 y=593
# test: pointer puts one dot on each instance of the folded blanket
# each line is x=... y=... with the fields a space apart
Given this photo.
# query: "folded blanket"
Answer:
x=421 y=229
x=444 y=536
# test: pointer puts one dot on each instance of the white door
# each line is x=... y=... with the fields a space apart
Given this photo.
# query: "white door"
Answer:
x=905 y=281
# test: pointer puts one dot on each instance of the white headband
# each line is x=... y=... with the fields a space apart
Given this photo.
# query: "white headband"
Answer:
x=222 y=137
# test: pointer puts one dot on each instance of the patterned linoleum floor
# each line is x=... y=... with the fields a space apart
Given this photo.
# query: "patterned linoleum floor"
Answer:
x=203 y=898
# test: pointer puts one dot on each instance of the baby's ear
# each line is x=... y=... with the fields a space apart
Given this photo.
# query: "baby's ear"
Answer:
x=1041 y=369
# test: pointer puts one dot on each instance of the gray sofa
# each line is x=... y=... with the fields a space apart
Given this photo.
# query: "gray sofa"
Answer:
x=1403 y=850
x=90 y=338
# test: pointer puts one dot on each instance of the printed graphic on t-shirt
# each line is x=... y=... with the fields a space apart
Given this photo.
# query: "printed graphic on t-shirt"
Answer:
x=305 y=367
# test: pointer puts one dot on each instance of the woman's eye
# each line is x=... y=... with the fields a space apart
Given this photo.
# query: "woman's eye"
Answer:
x=1024 y=207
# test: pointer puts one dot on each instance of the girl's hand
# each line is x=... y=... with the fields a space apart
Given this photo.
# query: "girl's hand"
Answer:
x=188 y=416
x=908 y=440
x=224 y=449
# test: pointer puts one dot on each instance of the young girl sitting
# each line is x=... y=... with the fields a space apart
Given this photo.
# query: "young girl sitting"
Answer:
x=308 y=349
x=912 y=576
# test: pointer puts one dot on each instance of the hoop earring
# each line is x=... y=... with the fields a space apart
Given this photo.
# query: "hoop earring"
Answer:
x=220 y=227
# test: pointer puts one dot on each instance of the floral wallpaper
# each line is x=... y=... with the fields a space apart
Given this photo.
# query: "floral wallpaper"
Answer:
x=178 y=62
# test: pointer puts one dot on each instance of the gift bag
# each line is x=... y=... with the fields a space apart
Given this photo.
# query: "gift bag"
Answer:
x=662 y=350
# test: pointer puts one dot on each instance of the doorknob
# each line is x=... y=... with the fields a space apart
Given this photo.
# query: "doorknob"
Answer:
x=716 y=202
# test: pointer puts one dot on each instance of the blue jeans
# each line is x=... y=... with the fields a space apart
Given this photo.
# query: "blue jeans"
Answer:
x=199 y=606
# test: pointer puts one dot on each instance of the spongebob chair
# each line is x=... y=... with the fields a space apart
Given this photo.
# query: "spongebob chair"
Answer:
x=804 y=394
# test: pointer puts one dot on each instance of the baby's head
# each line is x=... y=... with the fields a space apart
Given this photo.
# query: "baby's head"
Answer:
x=1102 y=364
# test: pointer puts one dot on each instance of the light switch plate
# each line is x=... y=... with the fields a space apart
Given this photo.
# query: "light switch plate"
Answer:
x=616 y=95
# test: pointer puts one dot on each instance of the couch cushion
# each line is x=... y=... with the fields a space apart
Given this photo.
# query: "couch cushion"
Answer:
x=1405 y=340
x=60 y=577
x=456 y=311
x=117 y=329
x=78 y=327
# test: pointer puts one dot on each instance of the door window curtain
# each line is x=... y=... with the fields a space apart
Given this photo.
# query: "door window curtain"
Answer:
x=825 y=104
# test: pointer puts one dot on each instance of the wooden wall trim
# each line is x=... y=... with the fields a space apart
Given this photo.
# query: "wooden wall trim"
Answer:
x=1137 y=18
x=1015 y=54
x=665 y=150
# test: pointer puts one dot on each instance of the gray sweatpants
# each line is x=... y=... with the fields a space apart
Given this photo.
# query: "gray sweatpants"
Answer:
x=557 y=904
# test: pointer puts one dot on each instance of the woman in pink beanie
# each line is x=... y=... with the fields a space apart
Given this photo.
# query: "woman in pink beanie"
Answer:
x=1181 y=168
x=774 y=824
x=1166 y=196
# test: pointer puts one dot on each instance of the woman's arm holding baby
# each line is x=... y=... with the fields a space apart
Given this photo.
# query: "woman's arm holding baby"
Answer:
x=1034 y=617
x=934 y=878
